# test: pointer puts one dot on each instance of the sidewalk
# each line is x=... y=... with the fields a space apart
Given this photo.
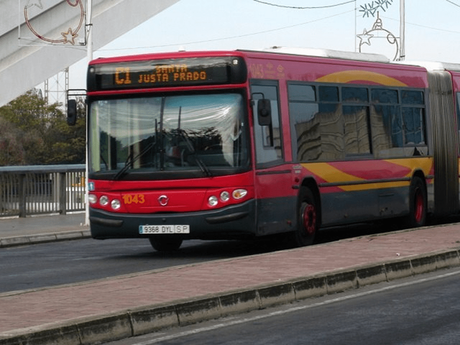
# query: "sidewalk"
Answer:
x=120 y=307
x=43 y=228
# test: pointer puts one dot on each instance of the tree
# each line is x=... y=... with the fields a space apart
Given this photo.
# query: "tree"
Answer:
x=11 y=148
x=34 y=132
x=69 y=142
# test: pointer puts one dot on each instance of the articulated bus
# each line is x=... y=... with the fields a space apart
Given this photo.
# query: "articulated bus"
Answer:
x=242 y=144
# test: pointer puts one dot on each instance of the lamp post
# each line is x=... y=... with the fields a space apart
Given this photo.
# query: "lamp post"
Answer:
x=89 y=55
x=402 y=30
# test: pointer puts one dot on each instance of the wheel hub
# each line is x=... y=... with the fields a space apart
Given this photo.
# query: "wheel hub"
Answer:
x=309 y=219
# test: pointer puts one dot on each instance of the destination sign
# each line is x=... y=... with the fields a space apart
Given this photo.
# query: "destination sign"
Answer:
x=165 y=73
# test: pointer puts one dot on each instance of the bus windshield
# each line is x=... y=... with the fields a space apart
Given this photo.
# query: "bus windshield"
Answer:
x=203 y=135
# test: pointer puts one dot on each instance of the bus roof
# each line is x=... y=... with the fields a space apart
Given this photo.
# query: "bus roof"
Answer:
x=327 y=53
x=311 y=52
x=433 y=65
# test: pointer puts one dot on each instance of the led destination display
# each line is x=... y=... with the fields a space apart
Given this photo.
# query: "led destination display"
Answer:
x=164 y=73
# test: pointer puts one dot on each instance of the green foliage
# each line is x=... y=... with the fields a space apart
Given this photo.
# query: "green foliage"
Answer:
x=33 y=132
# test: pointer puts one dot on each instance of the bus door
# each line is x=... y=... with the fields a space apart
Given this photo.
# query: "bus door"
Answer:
x=276 y=204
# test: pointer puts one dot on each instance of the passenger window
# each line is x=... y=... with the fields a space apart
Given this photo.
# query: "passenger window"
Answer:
x=355 y=94
x=301 y=93
x=328 y=94
x=316 y=127
x=398 y=121
x=413 y=126
x=356 y=130
x=412 y=97
x=386 y=129
x=385 y=96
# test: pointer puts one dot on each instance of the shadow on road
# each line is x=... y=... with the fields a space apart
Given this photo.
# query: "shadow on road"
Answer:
x=229 y=249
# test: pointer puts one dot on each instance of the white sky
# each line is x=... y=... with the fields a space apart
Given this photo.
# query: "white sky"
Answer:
x=432 y=28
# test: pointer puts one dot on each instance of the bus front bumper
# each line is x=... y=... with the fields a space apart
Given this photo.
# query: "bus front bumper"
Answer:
x=234 y=222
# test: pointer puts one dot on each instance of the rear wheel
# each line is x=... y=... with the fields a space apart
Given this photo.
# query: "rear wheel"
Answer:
x=417 y=203
x=308 y=219
x=165 y=244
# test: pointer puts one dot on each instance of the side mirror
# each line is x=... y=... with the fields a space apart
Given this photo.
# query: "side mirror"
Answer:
x=71 y=112
x=264 y=112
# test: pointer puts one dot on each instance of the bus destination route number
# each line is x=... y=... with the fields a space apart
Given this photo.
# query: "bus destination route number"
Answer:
x=163 y=229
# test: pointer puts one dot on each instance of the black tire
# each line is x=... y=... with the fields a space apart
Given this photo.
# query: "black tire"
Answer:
x=308 y=219
x=417 y=203
x=165 y=244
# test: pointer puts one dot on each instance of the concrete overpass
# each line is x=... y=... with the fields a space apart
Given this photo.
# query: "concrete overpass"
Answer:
x=39 y=38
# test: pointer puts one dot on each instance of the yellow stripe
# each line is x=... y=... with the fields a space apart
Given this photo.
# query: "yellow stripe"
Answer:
x=355 y=75
x=331 y=174
x=423 y=163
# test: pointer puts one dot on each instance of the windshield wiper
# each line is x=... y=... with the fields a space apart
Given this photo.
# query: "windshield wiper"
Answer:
x=130 y=160
x=183 y=134
x=199 y=162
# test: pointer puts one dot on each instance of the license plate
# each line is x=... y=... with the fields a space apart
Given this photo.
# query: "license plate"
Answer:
x=164 y=229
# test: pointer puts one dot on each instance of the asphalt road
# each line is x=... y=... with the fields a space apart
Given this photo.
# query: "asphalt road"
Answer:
x=51 y=264
x=420 y=310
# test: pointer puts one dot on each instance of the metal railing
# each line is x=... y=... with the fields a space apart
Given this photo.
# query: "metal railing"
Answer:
x=41 y=189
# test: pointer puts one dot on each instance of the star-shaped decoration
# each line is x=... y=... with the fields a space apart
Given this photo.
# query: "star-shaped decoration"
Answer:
x=365 y=38
x=72 y=37
x=38 y=3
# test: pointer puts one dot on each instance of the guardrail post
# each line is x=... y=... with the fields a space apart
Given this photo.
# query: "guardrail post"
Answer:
x=2 y=191
x=22 y=195
x=62 y=194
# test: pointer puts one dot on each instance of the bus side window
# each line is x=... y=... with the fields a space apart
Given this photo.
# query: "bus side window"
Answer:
x=316 y=122
x=398 y=122
x=305 y=122
x=355 y=109
x=413 y=117
x=268 y=138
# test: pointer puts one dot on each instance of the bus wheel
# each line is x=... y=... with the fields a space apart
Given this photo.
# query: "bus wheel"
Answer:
x=417 y=203
x=165 y=244
x=308 y=219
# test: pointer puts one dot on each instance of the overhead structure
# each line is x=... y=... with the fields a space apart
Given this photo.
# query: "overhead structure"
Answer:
x=47 y=36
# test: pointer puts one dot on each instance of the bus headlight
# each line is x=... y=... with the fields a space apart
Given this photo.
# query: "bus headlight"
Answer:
x=92 y=199
x=213 y=201
x=116 y=204
x=224 y=196
x=104 y=200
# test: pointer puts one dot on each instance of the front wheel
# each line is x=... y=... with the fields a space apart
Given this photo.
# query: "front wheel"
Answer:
x=417 y=203
x=308 y=219
x=165 y=244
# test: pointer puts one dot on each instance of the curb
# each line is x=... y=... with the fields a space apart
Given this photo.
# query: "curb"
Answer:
x=43 y=238
x=148 y=319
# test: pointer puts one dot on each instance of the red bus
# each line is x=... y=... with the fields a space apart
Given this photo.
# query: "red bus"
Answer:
x=242 y=144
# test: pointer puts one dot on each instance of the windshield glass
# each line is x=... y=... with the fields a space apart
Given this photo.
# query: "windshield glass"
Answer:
x=194 y=133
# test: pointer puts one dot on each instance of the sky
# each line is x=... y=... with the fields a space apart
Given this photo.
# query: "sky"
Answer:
x=432 y=28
